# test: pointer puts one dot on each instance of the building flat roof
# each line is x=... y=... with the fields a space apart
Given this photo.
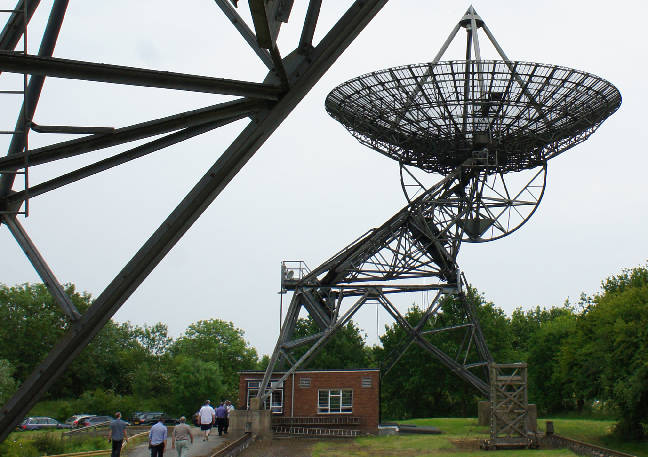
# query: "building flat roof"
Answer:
x=350 y=370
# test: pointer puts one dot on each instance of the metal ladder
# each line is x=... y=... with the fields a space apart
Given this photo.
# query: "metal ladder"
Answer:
x=22 y=125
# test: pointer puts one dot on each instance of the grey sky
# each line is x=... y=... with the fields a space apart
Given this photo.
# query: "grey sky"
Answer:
x=312 y=188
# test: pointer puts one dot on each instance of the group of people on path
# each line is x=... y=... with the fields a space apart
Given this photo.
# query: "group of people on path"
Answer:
x=209 y=417
x=181 y=438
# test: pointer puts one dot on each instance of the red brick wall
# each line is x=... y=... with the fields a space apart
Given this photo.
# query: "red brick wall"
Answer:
x=365 y=399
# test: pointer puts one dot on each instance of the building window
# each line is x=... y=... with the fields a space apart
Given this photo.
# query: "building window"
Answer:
x=335 y=401
x=273 y=402
x=304 y=382
x=366 y=382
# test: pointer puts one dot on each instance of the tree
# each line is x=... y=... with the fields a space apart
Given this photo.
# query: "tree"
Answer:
x=345 y=349
x=109 y=362
x=606 y=357
x=154 y=338
x=525 y=324
x=547 y=386
x=31 y=323
x=419 y=385
x=193 y=382
x=218 y=341
x=7 y=382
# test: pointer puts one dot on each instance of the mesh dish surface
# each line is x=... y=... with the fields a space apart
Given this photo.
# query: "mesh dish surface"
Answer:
x=436 y=116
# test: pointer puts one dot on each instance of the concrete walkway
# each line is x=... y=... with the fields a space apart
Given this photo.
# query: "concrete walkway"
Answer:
x=199 y=448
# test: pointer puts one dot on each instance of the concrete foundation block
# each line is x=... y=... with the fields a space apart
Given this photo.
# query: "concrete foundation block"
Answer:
x=258 y=422
x=532 y=418
x=483 y=413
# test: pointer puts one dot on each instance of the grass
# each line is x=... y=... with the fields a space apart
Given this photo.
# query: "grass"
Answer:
x=461 y=437
x=598 y=432
x=41 y=442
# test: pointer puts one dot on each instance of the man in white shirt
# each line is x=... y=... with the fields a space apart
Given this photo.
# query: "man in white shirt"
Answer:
x=206 y=416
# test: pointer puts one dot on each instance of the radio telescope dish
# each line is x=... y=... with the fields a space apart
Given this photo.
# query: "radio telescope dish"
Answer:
x=436 y=116
x=493 y=119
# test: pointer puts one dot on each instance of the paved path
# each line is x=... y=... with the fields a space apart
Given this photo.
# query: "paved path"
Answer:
x=199 y=448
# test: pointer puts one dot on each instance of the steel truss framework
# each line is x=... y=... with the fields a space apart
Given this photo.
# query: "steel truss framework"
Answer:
x=477 y=123
x=388 y=260
x=267 y=104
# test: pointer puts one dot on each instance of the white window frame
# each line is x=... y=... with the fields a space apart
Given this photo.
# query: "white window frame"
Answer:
x=273 y=402
x=335 y=394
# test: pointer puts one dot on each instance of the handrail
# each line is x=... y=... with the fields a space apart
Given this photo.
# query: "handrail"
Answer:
x=84 y=429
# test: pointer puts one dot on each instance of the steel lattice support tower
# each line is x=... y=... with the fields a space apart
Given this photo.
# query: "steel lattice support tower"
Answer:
x=266 y=104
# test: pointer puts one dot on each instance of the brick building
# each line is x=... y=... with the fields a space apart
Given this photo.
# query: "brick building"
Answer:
x=319 y=402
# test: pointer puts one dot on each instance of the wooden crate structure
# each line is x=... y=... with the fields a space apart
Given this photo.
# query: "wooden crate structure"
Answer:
x=509 y=408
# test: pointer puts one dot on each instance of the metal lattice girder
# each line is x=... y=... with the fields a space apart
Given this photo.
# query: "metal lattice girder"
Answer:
x=473 y=354
x=101 y=72
x=18 y=197
x=384 y=261
x=401 y=248
x=423 y=239
x=14 y=28
x=305 y=70
x=235 y=110
x=46 y=274
x=509 y=407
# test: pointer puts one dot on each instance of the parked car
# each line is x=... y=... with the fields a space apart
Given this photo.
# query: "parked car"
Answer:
x=94 y=420
x=151 y=417
x=73 y=421
x=143 y=417
x=37 y=423
x=81 y=420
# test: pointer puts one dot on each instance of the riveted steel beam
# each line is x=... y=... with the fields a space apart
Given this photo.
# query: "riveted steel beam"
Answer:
x=15 y=26
x=135 y=132
x=247 y=34
x=117 y=74
x=41 y=267
x=140 y=151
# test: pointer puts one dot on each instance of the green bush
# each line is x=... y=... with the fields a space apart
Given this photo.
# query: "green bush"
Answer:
x=58 y=409
x=98 y=401
x=32 y=445
x=85 y=443
x=49 y=443
x=18 y=448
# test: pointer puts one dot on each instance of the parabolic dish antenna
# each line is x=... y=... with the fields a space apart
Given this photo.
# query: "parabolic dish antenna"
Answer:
x=493 y=118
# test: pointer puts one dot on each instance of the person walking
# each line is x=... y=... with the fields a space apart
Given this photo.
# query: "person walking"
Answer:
x=207 y=416
x=229 y=407
x=117 y=434
x=181 y=437
x=157 y=439
x=221 y=417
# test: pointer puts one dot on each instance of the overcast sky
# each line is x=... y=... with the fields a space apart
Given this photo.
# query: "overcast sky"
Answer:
x=312 y=188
